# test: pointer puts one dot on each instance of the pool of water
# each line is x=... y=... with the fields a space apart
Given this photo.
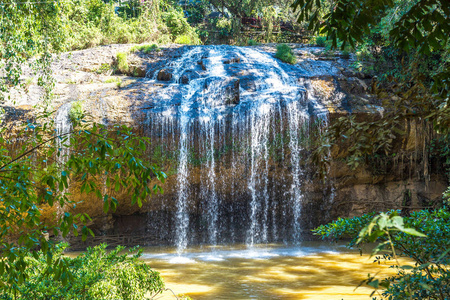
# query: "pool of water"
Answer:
x=313 y=270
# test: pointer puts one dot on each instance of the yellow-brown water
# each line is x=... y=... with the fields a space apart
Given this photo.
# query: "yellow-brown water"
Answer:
x=310 y=271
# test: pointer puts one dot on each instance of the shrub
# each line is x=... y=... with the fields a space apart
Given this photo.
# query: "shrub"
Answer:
x=76 y=111
x=224 y=26
x=285 y=54
x=183 y=39
x=176 y=22
x=122 y=62
x=95 y=274
x=252 y=42
x=181 y=31
x=321 y=41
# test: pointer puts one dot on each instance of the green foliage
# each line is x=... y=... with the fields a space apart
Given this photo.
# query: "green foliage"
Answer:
x=285 y=54
x=145 y=48
x=397 y=37
x=76 y=112
x=113 y=79
x=321 y=40
x=34 y=174
x=429 y=278
x=178 y=26
x=184 y=40
x=440 y=148
x=104 y=69
x=35 y=170
x=196 y=11
x=70 y=25
x=130 y=9
x=348 y=20
x=252 y=42
x=224 y=26
x=95 y=274
x=122 y=62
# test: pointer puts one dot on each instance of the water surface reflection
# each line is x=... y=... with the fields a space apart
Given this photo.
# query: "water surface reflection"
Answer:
x=313 y=270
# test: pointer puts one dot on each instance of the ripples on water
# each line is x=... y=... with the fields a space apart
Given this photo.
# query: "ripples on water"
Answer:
x=310 y=271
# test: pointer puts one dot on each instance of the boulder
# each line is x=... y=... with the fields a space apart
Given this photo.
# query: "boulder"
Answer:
x=232 y=60
x=165 y=74
x=138 y=71
x=202 y=64
x=189 y=75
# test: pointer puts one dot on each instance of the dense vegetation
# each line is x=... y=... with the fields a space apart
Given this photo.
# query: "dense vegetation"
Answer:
x=94 y=274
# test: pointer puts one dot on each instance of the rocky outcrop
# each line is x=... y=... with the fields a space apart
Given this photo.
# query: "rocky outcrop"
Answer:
x=226 y=86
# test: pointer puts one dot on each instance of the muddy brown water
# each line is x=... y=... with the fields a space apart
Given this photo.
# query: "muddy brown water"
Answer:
x=314 y=270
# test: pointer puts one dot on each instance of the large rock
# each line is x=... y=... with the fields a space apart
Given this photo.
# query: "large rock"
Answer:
x=189 y=75
x=165 y=74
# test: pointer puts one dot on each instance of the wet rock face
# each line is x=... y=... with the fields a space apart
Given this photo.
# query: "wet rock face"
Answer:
x=225 y=90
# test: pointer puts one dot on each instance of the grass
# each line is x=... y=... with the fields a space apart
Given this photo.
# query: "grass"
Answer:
x=111 y=80
x=145 y=48
x=285 y=54
x=103 y=69
x=116 y=80
x=122 y=62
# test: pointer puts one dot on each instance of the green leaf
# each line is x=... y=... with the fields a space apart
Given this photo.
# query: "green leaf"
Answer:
x=413 y=232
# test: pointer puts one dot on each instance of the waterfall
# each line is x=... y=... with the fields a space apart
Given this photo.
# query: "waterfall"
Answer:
x=296 y=120
x=63 y=126
x=237 y=120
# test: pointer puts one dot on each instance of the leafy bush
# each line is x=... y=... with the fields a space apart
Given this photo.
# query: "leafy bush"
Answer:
x=430 y=276
x=130 y=9
x=321 y=41
x=183 y=39
x=224 y=26
x=285 y=54
x=122 y=62
x=252 y=42
x=88 y=23
x=94 y=274
x=179 y=27
x=76 y=111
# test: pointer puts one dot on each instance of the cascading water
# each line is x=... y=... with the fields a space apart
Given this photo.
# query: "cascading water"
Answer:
x=235 y=118
x=63 y=126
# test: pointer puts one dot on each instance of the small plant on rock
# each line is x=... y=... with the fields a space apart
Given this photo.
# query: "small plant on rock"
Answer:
x=285 y=54
x=145 y=48
x=76 y=111
x=122 y=62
